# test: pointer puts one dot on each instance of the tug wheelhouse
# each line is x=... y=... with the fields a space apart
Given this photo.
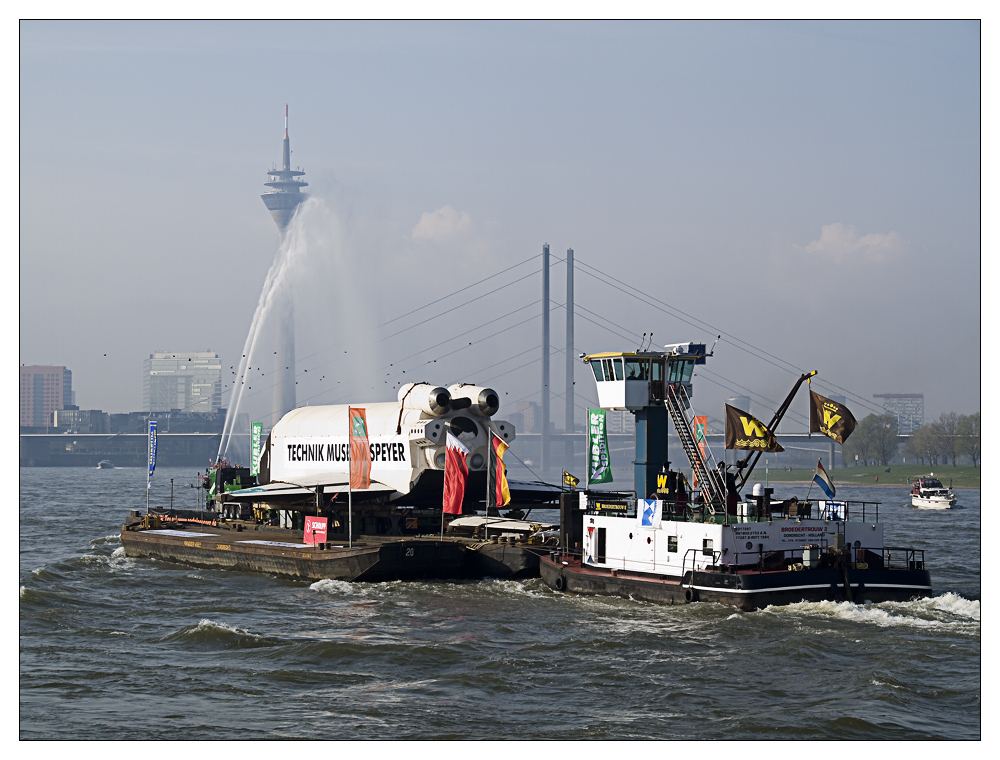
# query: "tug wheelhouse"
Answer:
x=655 y=386
x=633 y=381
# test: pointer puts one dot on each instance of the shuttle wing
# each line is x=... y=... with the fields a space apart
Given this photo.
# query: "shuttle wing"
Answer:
x=278 y=488
x=534 y=491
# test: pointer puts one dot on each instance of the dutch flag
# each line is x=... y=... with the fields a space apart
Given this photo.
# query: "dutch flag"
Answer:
x=823 y=480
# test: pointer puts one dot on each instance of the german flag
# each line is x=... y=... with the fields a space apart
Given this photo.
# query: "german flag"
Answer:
x=498 y=492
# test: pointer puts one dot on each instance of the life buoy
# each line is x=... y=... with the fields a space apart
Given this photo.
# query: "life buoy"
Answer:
x=559 y=583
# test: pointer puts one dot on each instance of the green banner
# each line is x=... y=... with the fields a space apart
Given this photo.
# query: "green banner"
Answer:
x=256 y=433
x=599 y=457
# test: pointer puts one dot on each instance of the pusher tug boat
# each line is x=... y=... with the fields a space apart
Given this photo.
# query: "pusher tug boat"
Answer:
x=930 y=493
x=683 y=546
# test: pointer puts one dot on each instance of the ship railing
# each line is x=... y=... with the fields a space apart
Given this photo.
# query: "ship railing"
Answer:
x=792 y=509
x=860 y=557
x=771 y=559
x=694 y=553
x=203 y=517
x=848 y=511
x=903 y=557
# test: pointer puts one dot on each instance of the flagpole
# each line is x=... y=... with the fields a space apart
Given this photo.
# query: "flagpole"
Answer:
x=809 y=385
x=489 y=464
x=350 y=472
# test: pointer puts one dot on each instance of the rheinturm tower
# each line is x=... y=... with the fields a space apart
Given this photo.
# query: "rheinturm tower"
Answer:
x=282 y=201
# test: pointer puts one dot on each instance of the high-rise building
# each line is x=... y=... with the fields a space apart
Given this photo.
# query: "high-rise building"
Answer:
x=185 y=382
x=282 y=202
x=44 y=390
x=908 y=409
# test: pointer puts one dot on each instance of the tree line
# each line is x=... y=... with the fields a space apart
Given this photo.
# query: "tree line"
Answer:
x=876 y=440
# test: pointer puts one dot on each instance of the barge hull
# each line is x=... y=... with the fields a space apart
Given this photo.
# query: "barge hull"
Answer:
x=372 y=559
x=396 y=560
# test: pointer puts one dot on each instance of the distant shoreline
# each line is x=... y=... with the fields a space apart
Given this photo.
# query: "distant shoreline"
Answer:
x=865 y=485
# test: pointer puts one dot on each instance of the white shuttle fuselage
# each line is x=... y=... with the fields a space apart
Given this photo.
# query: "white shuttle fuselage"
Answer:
x=310 y=446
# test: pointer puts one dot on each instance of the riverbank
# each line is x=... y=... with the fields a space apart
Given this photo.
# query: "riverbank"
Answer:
x=898 y=475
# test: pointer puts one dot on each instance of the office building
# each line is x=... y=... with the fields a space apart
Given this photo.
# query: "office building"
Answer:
x=44 y=390
x=907 y=408
x=183 y=382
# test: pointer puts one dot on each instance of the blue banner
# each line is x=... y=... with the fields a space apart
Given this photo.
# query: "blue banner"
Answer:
x=152 y=447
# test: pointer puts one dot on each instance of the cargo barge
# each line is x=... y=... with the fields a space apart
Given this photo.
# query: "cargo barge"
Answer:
x=370 y=481
x=511 y=550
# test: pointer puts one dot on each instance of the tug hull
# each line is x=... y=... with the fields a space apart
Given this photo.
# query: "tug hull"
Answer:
x=745 y=589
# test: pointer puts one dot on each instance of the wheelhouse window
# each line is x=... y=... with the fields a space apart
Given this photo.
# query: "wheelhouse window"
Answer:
x=598 y=368
x=611 y=369
x=636 y=369
x=680 y=371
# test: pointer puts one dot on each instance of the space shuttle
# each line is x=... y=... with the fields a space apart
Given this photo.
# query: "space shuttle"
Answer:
x=307 y=452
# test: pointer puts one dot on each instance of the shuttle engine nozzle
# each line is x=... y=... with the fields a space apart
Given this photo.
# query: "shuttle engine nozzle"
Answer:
x=484 y=401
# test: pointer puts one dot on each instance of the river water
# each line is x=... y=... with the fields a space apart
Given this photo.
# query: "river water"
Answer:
x=118 y=648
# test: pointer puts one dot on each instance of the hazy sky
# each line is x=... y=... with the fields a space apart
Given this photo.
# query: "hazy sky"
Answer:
x=811 y=189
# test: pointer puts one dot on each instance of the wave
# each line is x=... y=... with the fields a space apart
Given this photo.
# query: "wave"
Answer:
x=211 y=634
x=339 y=588
x=115 y=562
x=114 y=538
x=948 y=611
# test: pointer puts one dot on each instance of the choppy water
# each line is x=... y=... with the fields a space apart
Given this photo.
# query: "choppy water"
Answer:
x=108 y=642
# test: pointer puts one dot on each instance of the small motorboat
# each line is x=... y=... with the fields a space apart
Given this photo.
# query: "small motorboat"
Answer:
x=930 y=493
x=105 y=464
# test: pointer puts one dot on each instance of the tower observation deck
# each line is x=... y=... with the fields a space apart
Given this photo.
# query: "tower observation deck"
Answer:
x=287 y=193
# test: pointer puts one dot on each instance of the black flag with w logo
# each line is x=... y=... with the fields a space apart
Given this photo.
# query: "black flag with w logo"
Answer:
x=830 y=418
x=744 y=431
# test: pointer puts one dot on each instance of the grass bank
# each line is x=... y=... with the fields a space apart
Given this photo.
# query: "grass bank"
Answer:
x=963 y=476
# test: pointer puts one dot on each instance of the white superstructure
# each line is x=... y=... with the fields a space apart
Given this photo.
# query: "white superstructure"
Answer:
x=653 y=542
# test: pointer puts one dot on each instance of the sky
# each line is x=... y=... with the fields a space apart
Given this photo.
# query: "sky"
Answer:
x=810 y=191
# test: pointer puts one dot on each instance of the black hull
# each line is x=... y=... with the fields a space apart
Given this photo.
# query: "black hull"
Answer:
x=747 y=591
x=372 y=559
x=505 y=561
